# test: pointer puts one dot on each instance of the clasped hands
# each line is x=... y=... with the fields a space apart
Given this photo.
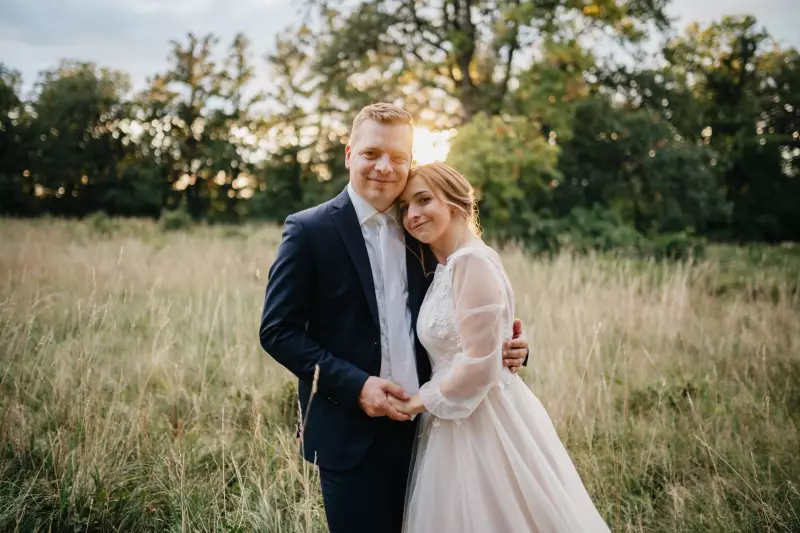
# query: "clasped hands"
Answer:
x=380 y=397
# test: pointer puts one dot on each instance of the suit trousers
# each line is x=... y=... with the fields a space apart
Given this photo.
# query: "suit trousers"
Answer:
x=370 y=497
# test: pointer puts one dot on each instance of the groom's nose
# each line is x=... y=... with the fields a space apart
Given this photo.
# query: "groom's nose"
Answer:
x=383 y=164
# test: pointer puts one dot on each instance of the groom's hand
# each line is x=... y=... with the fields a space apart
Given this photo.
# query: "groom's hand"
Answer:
x=516 y=350
x=374 y=398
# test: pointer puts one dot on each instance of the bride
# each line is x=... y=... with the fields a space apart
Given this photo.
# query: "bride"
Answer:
x=488 y=457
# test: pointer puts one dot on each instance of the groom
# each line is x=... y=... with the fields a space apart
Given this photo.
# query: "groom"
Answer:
x=343 y=295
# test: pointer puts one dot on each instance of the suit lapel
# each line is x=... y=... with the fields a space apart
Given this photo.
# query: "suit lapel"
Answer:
x=346 y=221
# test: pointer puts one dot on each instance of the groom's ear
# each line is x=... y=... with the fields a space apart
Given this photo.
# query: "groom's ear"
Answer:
x=347 y=152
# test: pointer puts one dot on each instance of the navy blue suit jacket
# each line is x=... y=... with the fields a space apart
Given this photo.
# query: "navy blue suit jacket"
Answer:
x=320 y=309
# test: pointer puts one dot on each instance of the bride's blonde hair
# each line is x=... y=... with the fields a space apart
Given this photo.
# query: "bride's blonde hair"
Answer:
x=453 y=188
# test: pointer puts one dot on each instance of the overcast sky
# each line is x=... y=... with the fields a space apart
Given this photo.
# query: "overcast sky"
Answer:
x=134 y=36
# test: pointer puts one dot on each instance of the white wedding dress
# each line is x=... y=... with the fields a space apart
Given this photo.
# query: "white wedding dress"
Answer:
x=488 y=459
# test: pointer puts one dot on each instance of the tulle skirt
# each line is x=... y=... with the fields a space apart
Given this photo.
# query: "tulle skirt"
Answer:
x=501 y=470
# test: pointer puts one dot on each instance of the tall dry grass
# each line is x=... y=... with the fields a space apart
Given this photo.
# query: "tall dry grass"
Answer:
x=134 y=395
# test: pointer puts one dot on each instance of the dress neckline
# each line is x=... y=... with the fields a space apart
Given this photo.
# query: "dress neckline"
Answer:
x=478 y=245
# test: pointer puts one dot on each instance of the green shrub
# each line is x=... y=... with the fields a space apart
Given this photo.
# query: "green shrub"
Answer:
x=101 y=223
x=582 y=231
x=599 y=229
x=677 y=246
x=175 y=220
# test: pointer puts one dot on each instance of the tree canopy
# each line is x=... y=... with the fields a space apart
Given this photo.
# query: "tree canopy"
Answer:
x=563 y=119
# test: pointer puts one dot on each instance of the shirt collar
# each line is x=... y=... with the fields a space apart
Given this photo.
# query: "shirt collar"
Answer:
x=364 y=211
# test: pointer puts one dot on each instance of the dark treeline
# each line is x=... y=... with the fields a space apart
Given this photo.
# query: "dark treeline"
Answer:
x=564 y=144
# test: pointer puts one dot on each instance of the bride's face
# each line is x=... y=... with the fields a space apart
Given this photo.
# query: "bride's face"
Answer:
x=425 y=215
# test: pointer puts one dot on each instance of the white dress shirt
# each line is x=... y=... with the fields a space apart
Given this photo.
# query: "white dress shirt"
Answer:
x=394 y=317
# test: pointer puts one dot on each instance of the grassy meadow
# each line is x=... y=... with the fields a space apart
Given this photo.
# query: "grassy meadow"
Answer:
x=134 y=395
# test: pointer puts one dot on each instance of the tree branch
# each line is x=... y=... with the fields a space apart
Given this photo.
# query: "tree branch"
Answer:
x=512 y=48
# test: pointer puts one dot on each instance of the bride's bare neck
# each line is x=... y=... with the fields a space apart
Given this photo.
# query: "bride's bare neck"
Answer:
x=454 y=237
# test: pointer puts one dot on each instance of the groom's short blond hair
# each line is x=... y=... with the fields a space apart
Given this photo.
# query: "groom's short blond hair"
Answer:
x=383 y=113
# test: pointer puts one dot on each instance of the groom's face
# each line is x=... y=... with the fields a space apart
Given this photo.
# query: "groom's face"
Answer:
x=379 y=158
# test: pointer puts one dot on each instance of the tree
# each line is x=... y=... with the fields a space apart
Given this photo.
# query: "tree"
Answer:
x=731 y=88
x=16 y=188
x=306 y=164
x=512 y=166
x=233 y=146
x=633 y=163
x=175 y=112
x=78 y=145
x=455 y=57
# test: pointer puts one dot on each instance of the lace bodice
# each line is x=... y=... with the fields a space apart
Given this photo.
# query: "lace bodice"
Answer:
x=466 y=316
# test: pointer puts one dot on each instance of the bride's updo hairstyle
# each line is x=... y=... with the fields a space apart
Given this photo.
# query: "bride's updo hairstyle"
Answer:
x=452 y=188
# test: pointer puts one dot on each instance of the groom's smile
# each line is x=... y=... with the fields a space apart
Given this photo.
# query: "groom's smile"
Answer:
x=383 y=180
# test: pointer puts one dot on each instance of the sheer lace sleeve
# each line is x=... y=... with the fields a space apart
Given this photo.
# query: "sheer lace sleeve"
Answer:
x=480 y=301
